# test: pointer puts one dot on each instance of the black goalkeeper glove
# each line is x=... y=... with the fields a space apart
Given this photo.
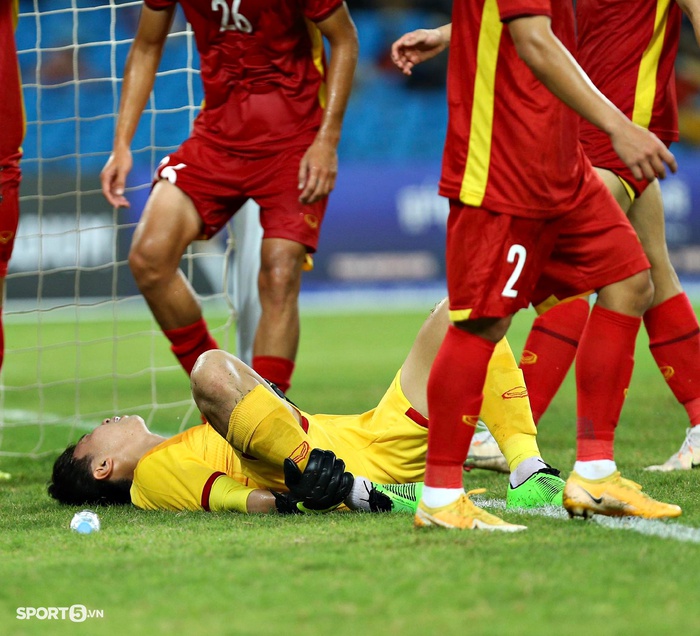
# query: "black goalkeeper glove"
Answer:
x=322 y=487
x=286 y=504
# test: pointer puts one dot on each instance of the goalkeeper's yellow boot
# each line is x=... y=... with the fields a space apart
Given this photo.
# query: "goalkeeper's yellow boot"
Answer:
x=613 y=496
x=462 y=515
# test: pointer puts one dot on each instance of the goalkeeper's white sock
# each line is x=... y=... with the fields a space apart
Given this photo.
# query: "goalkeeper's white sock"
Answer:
x=526 y=469
x=358 y=499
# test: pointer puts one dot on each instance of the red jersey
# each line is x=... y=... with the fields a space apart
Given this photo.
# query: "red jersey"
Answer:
x=11 y=108
x=263 y=70
x=512 y=146
x=629 y=50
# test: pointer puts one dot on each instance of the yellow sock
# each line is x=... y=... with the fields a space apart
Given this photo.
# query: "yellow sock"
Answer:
x=261 y=425
x=506 y=408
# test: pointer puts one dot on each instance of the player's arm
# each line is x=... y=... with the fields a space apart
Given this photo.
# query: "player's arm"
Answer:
x=321 y=487
x=230 y=495
x=691 y=8
x=319 y=166
x=139 y=77
x=556 y=68
x=227 y=494
x=418 y=46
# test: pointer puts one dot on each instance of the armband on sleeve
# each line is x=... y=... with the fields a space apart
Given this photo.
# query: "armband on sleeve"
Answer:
x=228 y=494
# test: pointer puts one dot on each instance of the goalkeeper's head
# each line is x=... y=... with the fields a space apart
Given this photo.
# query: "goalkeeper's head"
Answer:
x=99 y=469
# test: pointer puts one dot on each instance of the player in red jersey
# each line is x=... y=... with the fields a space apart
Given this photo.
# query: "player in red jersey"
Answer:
x=530 y=221
x=268 y=130
x=12 y=116
x=630 y=56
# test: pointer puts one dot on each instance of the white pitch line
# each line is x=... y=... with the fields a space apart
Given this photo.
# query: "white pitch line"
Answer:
x=649 y=527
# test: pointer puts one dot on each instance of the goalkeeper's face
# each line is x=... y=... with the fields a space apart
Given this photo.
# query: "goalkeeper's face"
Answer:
x=116 y=434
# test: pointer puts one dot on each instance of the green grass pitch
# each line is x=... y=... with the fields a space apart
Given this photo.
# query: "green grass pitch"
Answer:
x=198 y=573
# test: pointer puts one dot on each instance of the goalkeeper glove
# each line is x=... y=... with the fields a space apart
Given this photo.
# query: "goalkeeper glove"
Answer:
x=322 y=487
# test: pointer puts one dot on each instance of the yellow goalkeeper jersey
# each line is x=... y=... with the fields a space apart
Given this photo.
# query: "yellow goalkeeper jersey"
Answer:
x=199 y=470
x=180 y=473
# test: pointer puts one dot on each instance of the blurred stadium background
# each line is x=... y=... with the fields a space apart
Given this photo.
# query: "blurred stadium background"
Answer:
x=385 y=223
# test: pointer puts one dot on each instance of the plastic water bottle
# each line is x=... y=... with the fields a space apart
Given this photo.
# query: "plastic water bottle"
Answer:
x=85 y=522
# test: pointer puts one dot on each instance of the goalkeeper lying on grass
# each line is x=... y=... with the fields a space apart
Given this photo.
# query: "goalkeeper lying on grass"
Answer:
x=237 y=461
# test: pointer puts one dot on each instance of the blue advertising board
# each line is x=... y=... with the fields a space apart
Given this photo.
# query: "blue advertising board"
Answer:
x=383 y=224
x=386 y=223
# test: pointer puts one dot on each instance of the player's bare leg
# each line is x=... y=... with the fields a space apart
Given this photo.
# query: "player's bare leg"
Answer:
x=219 y=382
x=646 y=214
x=168 y=225
x=277 y=337
x=647 y=218
x=631 y=296
x=614 y=185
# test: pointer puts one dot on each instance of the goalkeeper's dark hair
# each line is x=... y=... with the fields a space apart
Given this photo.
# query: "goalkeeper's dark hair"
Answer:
x=72 y=483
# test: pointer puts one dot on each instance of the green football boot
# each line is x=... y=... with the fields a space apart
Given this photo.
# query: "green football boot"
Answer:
x=543 y=488
x=395 y=497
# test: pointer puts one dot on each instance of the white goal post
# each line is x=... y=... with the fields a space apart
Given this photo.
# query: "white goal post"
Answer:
x=80 y=342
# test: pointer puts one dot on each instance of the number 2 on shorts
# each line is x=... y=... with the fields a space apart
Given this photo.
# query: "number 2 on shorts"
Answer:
x=516 y=254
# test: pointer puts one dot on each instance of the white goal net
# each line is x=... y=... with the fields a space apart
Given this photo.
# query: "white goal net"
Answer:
x=80 y=342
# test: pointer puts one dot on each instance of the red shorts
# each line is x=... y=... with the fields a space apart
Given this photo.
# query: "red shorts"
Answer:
x=219 y=183
x=603 y=155
x=10 y=177
x=499 y=263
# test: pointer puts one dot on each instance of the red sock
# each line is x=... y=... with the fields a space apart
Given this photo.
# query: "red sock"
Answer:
x=549 y=351
x=455 y=393
x=674 y=341
x=603 y=370
x=188 y=343
x=275 y=369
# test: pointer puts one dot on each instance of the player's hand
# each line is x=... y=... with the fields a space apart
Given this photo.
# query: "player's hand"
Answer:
x=416 y=47
x=323 y=485
x=642 y=151
x=286 y=503
x=317 y=171
x=113 y=178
